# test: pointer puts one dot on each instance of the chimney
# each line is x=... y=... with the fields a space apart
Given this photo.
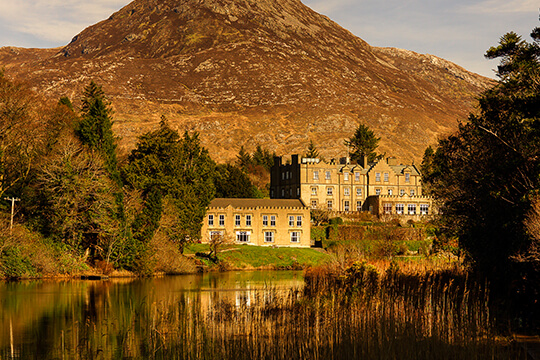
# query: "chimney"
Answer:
x=363 y=162
x=294 y=159
x=392 y=161
x=277 y=161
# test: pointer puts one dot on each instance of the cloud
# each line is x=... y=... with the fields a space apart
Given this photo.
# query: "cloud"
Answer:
x=502 y=6
x=53 y=21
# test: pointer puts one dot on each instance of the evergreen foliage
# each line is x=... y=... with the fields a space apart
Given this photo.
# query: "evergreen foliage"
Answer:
x=231 y=182
x=488 y=173
x=312 y=152
x=363 y=144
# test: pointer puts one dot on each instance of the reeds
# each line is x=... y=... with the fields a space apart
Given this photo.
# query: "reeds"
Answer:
x=358 y=314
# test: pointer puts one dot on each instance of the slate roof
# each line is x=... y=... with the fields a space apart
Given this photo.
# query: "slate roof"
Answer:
x=254 y=203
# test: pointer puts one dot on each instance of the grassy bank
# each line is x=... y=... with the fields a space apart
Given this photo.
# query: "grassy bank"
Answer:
x=245 y=257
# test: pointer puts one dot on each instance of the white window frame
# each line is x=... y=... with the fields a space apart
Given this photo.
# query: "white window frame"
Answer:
x=346 y=205
x=390 y=192
x=265 y=220
x=400 y=209
x=402 y=192
x=314 y=191
x=378 y=177
x=386 y=177
x=347 y=191
x=211 y=220
x=237 y=220
x=272 y=220
x=387 y=208
x=295 y=236
x=358 y=191
x=412 y=192
x=358 y=206
x=240 y=235
x=345 y=176
x=268 y=236
x=299 y=221
x=411 y=209
x=291 y=220
x=328 y=175
x=424 y=209
x=356 y=176
x=377 y=191
x=221 y=220
x=248 y=220
x=215 y=233
x=330 y=191
x=313 y=204
x=329 y=205
x=315 y=174
x=407 y=177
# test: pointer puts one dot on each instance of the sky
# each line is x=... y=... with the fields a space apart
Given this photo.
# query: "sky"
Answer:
x=456 y=30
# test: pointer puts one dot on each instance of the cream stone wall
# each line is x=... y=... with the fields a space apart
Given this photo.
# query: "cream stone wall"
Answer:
x=264 y=222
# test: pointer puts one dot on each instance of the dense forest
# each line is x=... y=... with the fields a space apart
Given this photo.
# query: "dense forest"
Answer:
x=78 y=201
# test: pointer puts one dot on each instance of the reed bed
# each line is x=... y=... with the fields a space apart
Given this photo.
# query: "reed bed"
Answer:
x=354 y=314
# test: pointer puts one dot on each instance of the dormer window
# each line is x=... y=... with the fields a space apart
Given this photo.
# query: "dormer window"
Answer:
x=346 y=176
x=378 y=177
x=407 y=177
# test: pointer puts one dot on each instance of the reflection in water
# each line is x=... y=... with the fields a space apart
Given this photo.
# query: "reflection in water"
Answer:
x=48 y=319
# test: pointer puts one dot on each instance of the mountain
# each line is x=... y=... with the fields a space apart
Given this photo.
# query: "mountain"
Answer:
x=248 y=72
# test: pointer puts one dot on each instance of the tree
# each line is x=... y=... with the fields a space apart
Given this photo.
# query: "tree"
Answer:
x=243 y=159
x=363 y=144
x=487 y=174
x=20 y=133
x=95 y=127
x=180 y=170
x=312 y=152
x=231 y=182
x=427 y=168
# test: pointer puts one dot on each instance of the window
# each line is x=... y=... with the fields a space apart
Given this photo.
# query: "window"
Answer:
x=268 y=236
x=265 y=220
x=346 y=191
x=299 y=221
x=387 y=208
x=291 y=221
x=377 y=191
x=273 y=220
x=399 y=209
x=407 y=177
x=221 y=220
x=358 y=206
x=346 y=206
x=346 y=176
x=329 y=204
x=412 y=192
x=282 y=193
x=378 y=177
x=313 y=204
x=424 y=208
x=248 y=220
x=329 y=191
x=386 y=177
x=236 y=220
x=390 y=192
x=328 y=176
x=401 y=192
x=215 y=235
x=298 y=191
x=210 y=220
x=315 y=174
x=242 y=236
x=356 y=176
x=358 y=191
x=295 y=236
x=314 y=191
x=411 y=209
x=282 y=176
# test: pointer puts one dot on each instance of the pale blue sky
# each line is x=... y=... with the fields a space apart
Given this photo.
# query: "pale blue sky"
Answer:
x=457 y=30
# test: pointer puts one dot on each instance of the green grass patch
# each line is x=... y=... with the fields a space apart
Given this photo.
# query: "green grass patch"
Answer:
x=249 y=256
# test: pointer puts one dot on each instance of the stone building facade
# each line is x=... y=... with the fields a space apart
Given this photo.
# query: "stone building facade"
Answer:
x=266 y=222
x=381 y=187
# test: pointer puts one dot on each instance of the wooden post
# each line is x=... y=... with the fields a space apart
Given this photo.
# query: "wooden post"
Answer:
x=12 y=211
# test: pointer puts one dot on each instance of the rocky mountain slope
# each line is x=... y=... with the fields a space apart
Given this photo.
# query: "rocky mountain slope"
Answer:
x=248 y=72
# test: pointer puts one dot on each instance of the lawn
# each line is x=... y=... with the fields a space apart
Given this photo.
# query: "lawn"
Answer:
x=251 y=257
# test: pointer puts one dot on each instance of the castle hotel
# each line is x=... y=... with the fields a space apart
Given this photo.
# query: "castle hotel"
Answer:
x=384 y=187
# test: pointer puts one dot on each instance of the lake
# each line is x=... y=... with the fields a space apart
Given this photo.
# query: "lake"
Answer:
x=101 y=319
